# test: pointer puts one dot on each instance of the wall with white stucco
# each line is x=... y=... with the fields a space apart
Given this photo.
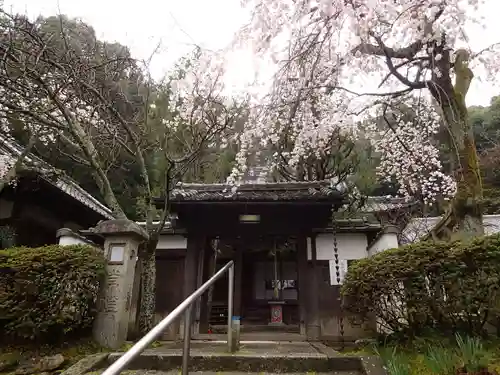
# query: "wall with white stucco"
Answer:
x=349 y=246
x=419 y=227
x=71 y=240
x=383 y=242
x=66 y=237
x=171 y=242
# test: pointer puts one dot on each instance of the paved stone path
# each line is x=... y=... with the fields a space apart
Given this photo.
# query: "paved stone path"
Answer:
x=254 y=349
x=178 y=372
x=291 y=358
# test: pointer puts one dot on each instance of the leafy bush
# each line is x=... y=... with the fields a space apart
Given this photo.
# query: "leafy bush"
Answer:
x=48 y=292
x=410 y=290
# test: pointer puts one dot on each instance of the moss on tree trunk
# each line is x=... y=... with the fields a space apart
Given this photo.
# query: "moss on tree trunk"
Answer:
x=148 y=288
x=465 y=213
x=464 y=216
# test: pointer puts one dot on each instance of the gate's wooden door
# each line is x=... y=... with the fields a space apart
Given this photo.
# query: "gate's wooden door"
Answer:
x=169 y=291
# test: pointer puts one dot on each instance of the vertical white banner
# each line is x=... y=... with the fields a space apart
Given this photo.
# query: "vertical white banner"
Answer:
x=333 y=271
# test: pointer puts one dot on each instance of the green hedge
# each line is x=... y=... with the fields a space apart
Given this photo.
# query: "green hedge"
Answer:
x=427 y=286
x=48 y=292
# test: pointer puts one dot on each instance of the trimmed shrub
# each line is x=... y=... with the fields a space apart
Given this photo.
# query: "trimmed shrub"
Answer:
x=427 y=286
x=48 y=292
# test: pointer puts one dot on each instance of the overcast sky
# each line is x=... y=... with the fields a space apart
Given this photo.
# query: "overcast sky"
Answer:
x=178 y=24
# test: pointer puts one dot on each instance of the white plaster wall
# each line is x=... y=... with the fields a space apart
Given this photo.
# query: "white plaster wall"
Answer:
x=491 y=224
x=420 y=226
x=170 y=242
x=71 y=240
x=349 y=246
x=384 y=242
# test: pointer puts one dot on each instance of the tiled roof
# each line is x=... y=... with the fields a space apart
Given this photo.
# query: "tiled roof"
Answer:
x=67 y=185
x=382 y=204
x=279 y=191
x=268 y=192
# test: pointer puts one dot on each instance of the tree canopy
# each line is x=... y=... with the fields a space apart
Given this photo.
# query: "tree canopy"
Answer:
x=63 y=92
x=412 y=47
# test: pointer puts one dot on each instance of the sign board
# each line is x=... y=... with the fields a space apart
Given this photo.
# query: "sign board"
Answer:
x=116 y=254
x=333 y=270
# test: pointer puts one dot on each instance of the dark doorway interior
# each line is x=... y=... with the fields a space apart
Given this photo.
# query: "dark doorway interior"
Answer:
x=257 y=289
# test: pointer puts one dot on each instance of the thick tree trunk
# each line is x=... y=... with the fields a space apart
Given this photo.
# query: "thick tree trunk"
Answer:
x=464 y=217
x=465 y=214
x=148 y=288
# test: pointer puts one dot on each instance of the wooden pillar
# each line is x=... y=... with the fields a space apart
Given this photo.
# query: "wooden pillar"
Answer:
x=313 y=322
x=190 y=269
x=208 y=266
x=238 y=270
x=199 y=282
x=280 y=273
x=303 y=282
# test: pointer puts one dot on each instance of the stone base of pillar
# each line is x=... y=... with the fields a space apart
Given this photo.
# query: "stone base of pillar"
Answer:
x=121 y=242
x=313 y=332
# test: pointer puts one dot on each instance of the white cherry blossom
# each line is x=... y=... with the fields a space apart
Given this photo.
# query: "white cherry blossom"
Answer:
x=6 y=164
x=197 y=99
x=321 y=47
x=407 y=147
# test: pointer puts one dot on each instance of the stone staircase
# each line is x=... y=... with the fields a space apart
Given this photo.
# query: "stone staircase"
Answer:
x=253 y=357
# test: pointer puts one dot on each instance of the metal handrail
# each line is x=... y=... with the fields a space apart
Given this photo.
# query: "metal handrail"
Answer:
x=186 y=306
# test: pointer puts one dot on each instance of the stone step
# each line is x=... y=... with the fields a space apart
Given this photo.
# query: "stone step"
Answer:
x=178 y=372
x=245 y=327
x=253 y=357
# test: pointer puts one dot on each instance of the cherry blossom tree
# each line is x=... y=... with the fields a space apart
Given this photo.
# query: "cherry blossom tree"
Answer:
x=80 y=99
x=12 y=163
x=404 y=135
x=320 y=48
x=6 y=170
x=198 y=115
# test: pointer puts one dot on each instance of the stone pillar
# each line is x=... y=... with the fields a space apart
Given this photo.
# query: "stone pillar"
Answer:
x=121 y=242
x=313 y=322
